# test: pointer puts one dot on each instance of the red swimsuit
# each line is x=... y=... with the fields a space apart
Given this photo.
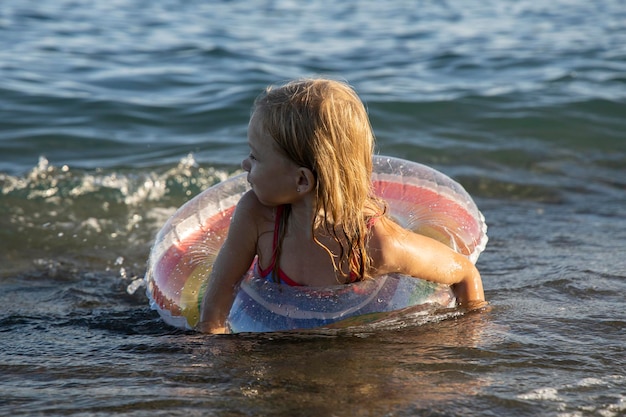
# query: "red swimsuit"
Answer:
x=268 y=273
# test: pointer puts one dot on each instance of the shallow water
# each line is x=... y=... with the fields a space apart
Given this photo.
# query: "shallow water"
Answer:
x=115 y=113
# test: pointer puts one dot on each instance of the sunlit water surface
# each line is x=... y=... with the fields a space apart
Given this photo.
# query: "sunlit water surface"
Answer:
x=115 y=113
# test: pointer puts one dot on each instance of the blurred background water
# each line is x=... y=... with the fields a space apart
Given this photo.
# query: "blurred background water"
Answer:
x=114 y=113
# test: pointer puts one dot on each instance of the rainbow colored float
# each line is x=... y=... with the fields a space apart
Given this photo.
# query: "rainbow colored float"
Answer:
x=419 y=198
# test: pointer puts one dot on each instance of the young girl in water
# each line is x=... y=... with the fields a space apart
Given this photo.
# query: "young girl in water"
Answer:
x=311 y=217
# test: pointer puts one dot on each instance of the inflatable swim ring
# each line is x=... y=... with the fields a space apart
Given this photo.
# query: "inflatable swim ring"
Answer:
x=419 y=198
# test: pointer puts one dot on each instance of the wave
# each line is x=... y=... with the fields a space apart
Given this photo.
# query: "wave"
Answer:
x=58 y=217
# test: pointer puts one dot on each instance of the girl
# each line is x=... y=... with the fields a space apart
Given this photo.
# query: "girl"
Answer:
x=311 y=217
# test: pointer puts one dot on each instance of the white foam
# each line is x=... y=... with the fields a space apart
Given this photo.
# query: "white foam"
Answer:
x=543 y=394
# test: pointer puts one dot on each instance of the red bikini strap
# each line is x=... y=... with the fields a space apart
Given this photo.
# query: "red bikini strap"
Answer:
x=279 y=215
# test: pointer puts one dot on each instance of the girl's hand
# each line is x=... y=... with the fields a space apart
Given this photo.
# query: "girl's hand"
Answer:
x=206 y=328
x=469 y=291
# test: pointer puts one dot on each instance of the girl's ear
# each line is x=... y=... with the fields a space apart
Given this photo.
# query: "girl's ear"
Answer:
x=305 y=180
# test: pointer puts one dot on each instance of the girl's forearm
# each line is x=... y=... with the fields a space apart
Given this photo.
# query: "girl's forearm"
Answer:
x=216 y=306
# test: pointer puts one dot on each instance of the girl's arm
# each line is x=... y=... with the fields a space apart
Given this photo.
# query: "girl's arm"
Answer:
x=232 y=262
x=395 y=249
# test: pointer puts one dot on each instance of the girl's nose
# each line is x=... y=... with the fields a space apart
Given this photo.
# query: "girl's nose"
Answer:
x=245 y=164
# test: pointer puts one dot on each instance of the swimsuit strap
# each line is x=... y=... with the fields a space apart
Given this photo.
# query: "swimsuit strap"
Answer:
x=267 y=272
x=279 y=215
x=270 y=267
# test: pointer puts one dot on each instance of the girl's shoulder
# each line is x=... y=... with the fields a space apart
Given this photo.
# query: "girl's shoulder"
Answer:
x=250 y=208
x=383 y=226
x=384 y=236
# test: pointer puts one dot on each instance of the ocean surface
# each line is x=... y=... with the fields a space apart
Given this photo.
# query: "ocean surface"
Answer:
x=114 y=113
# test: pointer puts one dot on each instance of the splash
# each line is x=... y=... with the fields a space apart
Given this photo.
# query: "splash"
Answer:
x=87 y=218
x=50 y=183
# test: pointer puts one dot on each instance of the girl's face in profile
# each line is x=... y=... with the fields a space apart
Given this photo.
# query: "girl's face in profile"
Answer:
x=271 y=174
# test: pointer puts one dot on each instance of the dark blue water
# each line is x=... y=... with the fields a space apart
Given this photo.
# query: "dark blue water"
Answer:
x=112 y=114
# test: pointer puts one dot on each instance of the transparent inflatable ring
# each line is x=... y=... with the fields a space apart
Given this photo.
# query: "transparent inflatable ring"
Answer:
x=418 y=197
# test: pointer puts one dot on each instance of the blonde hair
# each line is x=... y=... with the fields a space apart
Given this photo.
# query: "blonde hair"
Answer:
x=322 y=125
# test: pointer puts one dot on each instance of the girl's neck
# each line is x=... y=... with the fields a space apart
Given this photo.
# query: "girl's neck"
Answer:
x=301 y=218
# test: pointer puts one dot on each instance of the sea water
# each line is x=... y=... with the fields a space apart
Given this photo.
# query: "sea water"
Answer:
x=114 y=113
